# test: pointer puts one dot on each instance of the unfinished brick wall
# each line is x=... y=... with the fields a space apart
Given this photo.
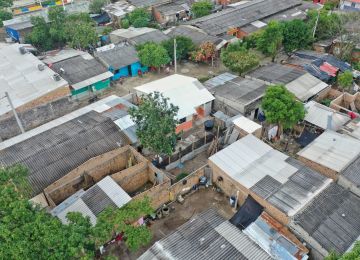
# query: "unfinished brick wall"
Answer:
x=320 y=168
x=133 y=178
x=230 y=188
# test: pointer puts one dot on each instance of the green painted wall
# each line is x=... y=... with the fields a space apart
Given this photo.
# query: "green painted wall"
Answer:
x=98 y=86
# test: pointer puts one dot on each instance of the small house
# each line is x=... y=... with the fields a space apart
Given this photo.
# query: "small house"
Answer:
x=86 y=75
x=136 y=36
x=173 y=12
x=121 y=60
x=350 y=5
x=118 y=10
x=192 y=98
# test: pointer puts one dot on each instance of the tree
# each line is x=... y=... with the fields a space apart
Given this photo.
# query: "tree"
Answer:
x=353 y=254
x=116 y=220
x=57 y=18
x=30 y=233
x=270 y=40
x=281 y=107
x=156 y=123
x=96 y=5
x=201 y=8
x=296 y=35
x=4 y=15
x=239 y=61
x=184 y=45
x=345 y=80
x=153 y=55
x=6 y=3
x=327 y=25
x=124 y=23
x=80 y=31
x=204 y=53
x=40 y=35
x=140 y=17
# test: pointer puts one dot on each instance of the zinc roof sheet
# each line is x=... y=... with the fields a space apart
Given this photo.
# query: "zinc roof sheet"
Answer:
x=333 y=150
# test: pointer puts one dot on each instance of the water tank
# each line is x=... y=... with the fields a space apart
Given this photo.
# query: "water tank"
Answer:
x=209 y=125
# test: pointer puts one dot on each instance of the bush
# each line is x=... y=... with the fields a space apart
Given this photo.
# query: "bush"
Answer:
x=181 y=176
x=140 y=22
x=125 y=23
x=345 y=80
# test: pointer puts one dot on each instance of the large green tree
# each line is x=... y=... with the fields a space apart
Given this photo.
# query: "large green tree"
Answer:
x=140 y=17
x=184 y=45
x=4 y=15
x=80 y=31
x=40 y=34
x=156 y=123
x=96 y=5
x=57 y=18
x=270 y=40
x=281 y=107
x=325 y=24
x=153 y=55
x=238 y=59
x=201 y=8
x=296 y=35
x=204 y=53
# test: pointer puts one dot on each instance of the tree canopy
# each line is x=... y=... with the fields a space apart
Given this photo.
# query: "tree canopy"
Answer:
x=28 y=232
x=281 y=107
x=96 y=5
x=4 y=15
x=296 y=35
x=140 y=17
x=345 y=80
x=156 y=121
x=270 y=40
x=153 y=55
x=75 y=29
x=204 y=53
x=327 y=25
x=353 y=254
x=238 y=59
x=184 y=45
x=201 y=8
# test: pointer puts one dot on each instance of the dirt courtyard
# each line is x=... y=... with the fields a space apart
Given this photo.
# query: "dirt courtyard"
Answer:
x=194 y=203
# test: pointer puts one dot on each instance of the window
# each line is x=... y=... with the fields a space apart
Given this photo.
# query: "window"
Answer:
x=182 y=120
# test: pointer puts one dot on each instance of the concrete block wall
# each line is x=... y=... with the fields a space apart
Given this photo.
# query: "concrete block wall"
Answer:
x=132 y=178
x=320 y=168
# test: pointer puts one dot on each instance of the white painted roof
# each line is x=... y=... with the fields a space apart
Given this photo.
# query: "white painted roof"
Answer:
x=185 y=92
x=78 y=206
x=306 y=86
x=114 y=191
x=333 y=150
x=318 y=114
x=124 y=122
x=246 y=124
x=21 y=78
x=132 y=32
x=248 y=160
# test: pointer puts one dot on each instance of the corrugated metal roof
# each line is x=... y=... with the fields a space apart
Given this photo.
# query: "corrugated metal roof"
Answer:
x=219 y=80
x=239 y=16
x=206 y=236
x=332 y=218
x=106 y=193
x=319 y=115
x=284 y=182
x=118 y=57
x=246 y=124
x=306 y=87
x=185 y=92
x=333 y=150
x=53 y=153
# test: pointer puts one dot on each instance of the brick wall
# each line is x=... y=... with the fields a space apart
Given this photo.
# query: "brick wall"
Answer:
x=132 y=178
x=230 y=188
x=320 y=168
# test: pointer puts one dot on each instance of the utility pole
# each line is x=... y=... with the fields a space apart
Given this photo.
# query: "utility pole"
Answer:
x=175 y=65
x=316 y=23
x=15 y=114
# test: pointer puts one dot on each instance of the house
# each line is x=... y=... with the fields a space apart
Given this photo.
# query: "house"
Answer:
x=148 y=3
x=90 y=203
x=246 y=126
x=122 y=61
x=350 y=5
x=233 y=20
x=207 y=235
x=118 y=10
x=18 y=27
x=280 y=184
x=27 y=80
x=136 y=36
x=172 y=12
x=29 y=6
x=347 y=103
x=54 y=149
x=235 y=95
x=85 y=75
x=331 y=153
x=330 y=222
x=109 y=179
x=187 y=93
x=324 y=117
x=302 y=84
x=196 y=35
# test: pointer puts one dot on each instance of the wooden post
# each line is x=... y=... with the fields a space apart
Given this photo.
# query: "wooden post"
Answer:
x=205 y=137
